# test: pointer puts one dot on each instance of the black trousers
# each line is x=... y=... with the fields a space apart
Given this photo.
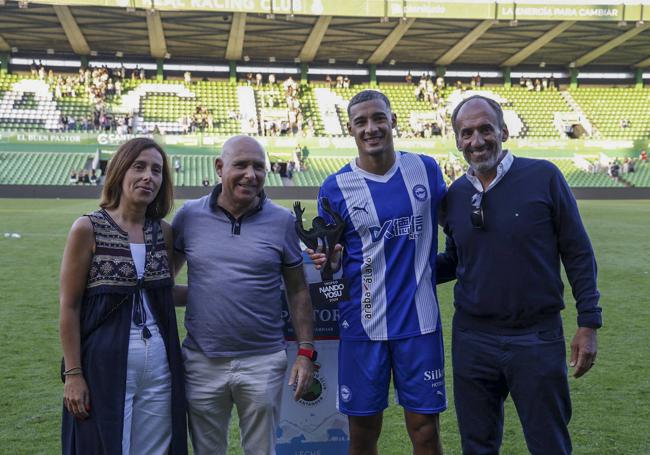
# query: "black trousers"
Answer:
x=531 y=367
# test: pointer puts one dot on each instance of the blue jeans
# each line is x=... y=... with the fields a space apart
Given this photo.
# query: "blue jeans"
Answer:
x=147 y=403
x=529 y=366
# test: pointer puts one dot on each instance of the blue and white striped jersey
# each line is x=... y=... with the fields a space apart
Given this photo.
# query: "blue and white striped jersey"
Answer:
x=390 y=244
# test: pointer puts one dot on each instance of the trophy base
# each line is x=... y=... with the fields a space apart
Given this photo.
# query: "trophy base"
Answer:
x=328 y=292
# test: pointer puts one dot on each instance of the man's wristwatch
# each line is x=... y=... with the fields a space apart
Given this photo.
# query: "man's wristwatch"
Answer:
x=311 y=354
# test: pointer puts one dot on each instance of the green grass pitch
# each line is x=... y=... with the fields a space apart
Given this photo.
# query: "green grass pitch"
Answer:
x=611 y=404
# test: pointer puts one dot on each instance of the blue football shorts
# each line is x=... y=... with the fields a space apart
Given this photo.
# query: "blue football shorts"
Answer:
x=417 y=365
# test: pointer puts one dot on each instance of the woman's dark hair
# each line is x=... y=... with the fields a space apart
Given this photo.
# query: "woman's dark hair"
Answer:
x=121 y=162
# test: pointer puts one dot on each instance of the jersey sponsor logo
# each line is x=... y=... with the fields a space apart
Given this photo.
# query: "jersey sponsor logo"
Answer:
x=345 y=393
x=366 y=283
x=345 y=324
x=420 y=192
x=435 y=377
x=398 y=227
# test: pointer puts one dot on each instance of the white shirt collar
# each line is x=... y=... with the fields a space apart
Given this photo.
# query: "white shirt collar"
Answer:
x=377 y=178
x=502 y=168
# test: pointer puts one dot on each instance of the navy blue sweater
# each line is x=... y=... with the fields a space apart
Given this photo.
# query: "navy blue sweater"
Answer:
x=509 y=272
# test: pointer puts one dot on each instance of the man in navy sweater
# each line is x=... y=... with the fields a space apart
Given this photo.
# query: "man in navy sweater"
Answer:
x=509 y=222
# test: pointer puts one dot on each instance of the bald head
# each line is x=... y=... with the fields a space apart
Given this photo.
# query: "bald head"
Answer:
x=239 y=144
x=242 y=168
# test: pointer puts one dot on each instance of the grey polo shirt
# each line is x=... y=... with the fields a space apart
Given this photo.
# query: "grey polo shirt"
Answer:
x=234 y=275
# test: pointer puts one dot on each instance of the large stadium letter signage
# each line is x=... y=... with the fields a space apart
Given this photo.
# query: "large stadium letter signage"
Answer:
x=312 y=425
x=44 y=114
x=131 y=104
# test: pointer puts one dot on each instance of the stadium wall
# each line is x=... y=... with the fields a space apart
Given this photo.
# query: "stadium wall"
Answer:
x=318 y=146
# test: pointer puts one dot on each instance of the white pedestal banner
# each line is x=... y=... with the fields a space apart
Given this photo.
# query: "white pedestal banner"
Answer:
x=312 y=425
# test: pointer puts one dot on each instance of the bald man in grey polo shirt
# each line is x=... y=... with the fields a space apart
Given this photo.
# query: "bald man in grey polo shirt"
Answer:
x=238 y=246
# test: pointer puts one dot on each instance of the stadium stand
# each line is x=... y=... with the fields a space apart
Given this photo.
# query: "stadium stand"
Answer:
x=31 y=103
x=177 y=107
x=39 y=168
x=617 y=113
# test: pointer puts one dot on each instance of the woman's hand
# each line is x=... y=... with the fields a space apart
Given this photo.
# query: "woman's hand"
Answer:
x=76 y=396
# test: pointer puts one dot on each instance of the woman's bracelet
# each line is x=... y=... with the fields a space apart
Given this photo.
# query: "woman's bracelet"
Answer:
x=308 y=343
x=72 y=371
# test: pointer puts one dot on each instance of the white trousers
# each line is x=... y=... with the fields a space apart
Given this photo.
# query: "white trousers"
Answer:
x=253 y=384
x=147 y=403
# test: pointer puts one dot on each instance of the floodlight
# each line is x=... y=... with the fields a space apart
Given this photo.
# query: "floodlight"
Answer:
x=331 y=61
x=272 y=59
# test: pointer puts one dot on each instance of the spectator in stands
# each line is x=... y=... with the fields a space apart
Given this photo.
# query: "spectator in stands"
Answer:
x=291 y=168
x=258 y=80
x=289 y=86
x=551 y=83
x=86 y=178
x=328 y=81
x=249 y=78
x=625 y=123
x=440 y=83
x=643 y=156
x=529 y=85
x=238 y=246
x=507 y=335
x=187 y=77
x=339 y=81
x=73 y=177
x=123 y=371
x=93 y=177
x=272 y=80
x=346 y=82
x=409 y=78
x=177 y=165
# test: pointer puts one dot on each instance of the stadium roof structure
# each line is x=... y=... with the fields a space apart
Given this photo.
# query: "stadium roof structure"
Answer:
x=473 y=34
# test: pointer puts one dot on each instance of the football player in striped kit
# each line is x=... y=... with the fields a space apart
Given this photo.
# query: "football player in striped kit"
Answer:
x=391 y=322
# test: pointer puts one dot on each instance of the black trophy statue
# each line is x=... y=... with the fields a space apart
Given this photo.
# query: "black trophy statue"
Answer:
x=323 y=237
